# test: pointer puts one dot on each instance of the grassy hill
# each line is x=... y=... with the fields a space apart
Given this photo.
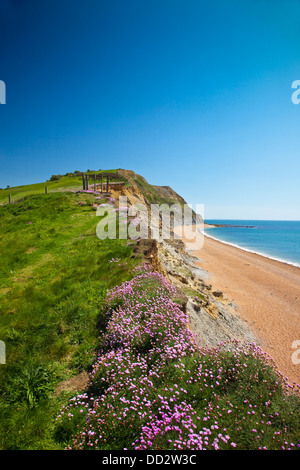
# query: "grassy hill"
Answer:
x=73 y=181
x=54 y=274
x=73 y=305
x=56 y=183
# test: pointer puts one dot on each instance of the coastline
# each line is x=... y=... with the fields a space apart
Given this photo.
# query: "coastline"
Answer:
x=265 y=255
x=266 y=293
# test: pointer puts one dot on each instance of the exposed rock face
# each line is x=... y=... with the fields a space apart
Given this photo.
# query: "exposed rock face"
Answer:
x=149 y=250
x=139 y=191
x=212 y=317
x=217 y=293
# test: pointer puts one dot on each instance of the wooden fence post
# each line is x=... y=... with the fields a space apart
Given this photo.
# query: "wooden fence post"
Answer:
x=107 y=183
x=95 y=176
x=46 y=190
x=87 y=182
x=83 y=182
x=101 y=184
x=9 y=199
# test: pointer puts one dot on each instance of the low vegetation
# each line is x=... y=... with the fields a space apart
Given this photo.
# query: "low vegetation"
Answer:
x=71 y=304
x=54 y=275
x=57 y=183
x=152 y=387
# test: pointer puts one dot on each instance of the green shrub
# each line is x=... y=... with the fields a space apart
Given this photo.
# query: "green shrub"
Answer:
x=29 y=385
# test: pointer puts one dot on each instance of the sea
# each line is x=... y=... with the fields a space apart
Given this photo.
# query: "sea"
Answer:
x=279 y=240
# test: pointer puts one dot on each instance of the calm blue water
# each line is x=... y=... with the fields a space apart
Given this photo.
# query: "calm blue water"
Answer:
x=275 y=239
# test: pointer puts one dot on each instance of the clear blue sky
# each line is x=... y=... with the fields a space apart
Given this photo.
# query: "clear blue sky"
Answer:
x=189 y=93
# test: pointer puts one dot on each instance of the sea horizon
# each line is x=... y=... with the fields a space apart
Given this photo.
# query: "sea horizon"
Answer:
x=275 y=239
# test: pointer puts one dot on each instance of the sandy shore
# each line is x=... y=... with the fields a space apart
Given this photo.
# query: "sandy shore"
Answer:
x=267 y=296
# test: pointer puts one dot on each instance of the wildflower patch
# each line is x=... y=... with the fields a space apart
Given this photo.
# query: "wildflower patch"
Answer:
x=153 y=388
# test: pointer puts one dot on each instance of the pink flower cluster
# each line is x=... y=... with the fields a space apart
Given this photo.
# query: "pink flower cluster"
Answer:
x=152 y=387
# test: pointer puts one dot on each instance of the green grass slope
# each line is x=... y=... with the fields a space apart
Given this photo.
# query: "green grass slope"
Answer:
x=54 y=274
x=56 y=183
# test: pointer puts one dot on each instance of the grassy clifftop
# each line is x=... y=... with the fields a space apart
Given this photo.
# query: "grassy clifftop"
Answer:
x=73 y=181
x=151 y=193
x=54 y=274
x=74 y=309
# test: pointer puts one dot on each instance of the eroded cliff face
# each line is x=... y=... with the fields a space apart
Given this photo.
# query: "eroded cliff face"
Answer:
x=137 y=189
x=133 y=194
x=212 y=317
